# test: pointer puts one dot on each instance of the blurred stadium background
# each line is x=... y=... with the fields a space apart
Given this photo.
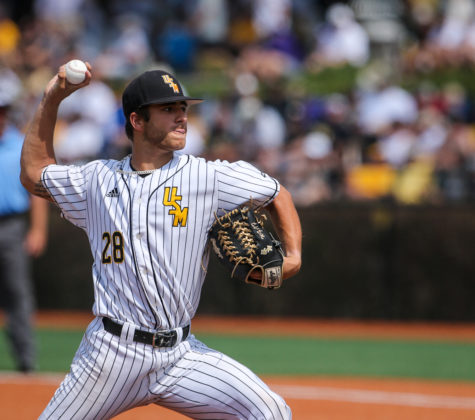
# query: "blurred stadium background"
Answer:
x=363 y=109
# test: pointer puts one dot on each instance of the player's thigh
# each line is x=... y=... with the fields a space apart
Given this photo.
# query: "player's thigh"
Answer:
x=106 y=378
x=206 y=384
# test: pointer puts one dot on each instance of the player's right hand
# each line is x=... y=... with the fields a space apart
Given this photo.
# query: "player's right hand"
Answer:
x=59 y=88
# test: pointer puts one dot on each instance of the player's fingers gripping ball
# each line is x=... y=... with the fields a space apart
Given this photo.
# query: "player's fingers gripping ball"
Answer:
x=243 y=245
x=75 y=71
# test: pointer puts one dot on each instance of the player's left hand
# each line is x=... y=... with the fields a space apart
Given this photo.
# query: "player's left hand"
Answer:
x=247 y=249
x=291 y=267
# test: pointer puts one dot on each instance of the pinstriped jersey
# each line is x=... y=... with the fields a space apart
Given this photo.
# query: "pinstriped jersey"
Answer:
x=148 y=234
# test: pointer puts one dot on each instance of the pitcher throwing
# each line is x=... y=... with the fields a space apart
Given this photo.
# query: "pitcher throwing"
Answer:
x=147 y=219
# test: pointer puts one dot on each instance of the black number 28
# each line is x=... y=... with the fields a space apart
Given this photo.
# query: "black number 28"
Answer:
x=113 y=248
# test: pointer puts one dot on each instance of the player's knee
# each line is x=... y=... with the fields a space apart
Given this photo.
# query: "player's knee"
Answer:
x=285 y=410
x=278 y=408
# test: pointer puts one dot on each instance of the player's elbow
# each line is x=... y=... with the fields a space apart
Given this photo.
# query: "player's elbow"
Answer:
x=26 y=181
x=282 y=200
x=30 y=177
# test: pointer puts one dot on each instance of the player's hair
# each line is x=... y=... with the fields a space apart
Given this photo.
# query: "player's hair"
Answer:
x=144 y=112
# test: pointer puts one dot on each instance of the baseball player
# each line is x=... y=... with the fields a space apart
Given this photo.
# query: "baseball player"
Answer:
x=147 y=218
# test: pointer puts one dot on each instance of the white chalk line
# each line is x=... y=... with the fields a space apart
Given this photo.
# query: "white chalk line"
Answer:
x=303 y=392
x=33 y=378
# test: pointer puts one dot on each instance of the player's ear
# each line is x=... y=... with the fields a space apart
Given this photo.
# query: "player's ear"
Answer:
x=137 y=121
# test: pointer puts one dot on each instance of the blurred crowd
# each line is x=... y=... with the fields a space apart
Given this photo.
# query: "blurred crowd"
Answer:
x=379 y=140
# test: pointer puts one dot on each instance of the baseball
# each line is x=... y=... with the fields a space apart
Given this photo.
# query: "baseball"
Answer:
x=75 y=71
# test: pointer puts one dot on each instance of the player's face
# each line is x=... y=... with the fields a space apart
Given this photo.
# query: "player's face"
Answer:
x=167 y=125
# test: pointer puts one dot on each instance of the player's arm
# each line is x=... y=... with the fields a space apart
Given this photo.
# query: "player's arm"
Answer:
x=38 y=151
x=286 y=221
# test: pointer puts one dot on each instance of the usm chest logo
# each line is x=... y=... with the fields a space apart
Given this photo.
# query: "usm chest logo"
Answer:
x=170 y=199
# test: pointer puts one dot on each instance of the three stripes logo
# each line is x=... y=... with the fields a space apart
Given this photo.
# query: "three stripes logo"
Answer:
x=113 y=193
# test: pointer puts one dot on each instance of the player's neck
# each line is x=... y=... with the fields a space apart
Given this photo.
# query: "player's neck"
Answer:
x=149 y=161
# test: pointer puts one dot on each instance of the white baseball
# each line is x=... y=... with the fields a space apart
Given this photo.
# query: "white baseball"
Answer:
x=75 y=71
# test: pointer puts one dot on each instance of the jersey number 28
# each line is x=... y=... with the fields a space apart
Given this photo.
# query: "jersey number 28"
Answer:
x=113 y=248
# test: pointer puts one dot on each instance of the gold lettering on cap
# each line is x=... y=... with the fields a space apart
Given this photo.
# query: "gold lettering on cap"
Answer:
x=169 y=81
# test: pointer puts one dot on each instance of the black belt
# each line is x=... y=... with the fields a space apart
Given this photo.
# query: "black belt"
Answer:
x=157 y=339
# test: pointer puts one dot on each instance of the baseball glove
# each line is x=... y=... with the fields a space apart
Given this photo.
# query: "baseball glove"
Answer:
x=243 y=245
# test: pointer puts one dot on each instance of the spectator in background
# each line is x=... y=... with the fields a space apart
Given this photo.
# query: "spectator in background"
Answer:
x=19 y=239
x=340 y=40
x=447 y=38
x=177 y=46
x=128 y=50
x=211 y=20
x=9 y=33
x=58 y=10
x=396 y=146
x=271 y=17
x=381 y=103
x=267 y=47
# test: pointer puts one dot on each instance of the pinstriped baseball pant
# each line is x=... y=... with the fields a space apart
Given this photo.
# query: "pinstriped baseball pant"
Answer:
x=109 y=376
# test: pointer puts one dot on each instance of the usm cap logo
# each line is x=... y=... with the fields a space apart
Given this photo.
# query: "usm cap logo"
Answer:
x=170 y=82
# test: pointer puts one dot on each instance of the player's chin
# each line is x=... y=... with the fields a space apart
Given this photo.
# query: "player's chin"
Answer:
x=178 y=141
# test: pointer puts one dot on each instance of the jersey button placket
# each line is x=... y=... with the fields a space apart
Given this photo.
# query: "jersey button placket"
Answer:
x=138 y=229
x=138 y=236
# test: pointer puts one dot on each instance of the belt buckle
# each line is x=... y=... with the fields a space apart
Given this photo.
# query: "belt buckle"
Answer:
x=164 y=339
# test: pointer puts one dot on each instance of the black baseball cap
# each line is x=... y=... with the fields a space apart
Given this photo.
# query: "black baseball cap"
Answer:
x=153 y=87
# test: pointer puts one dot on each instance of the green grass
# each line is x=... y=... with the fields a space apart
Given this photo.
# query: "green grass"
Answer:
x=56 y=349
x=353 y=357
x=299 y=356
